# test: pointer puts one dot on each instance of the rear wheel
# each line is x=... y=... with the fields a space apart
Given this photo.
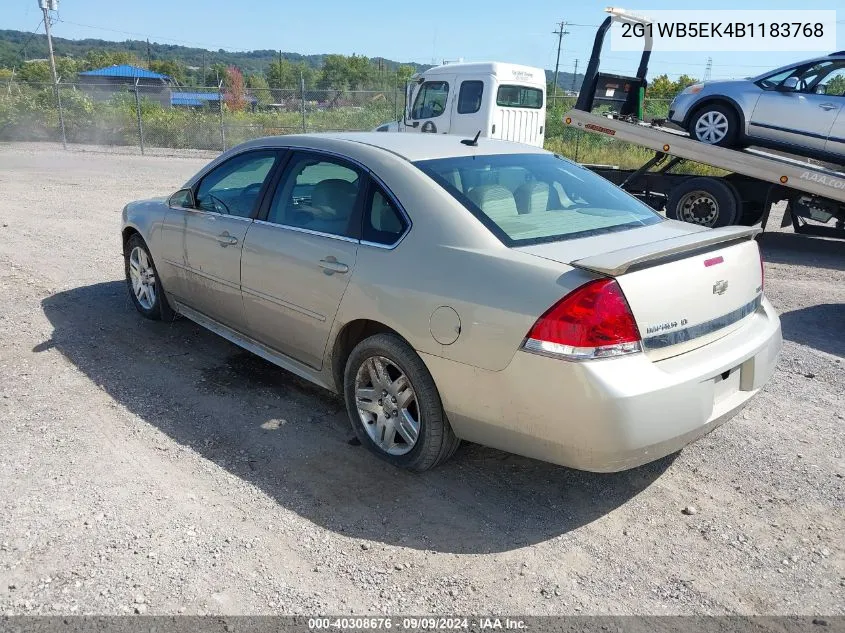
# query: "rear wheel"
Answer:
x=394 y=405
x=715 y=125
x=706 y=201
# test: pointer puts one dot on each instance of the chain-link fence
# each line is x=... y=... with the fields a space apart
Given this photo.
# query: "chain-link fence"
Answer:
x=159 y=116
x=162 y=117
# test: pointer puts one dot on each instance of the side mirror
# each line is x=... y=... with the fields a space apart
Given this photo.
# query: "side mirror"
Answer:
x=183 y=198
x=790 y=84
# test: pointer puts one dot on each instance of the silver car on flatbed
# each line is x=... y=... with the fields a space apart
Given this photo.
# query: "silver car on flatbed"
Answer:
x=454 y=289
x=798 y=108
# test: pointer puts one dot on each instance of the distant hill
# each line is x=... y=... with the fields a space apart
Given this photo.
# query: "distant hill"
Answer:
x=18 y=46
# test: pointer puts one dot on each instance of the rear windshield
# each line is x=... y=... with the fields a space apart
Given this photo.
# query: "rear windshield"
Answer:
x=533 y=198
x=519 y=97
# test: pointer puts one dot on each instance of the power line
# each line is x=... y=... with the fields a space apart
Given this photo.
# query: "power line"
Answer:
x=144 y=35
x=29 y=39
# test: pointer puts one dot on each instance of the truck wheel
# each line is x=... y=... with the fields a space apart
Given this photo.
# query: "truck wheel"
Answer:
x=709 y=202
x=715 y=124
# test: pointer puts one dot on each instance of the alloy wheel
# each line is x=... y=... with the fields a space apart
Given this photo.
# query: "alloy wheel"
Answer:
x=387 y=405
x=143 y=278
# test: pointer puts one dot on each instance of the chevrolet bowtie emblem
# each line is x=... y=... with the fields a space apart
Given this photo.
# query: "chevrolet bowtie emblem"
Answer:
x=719 y=287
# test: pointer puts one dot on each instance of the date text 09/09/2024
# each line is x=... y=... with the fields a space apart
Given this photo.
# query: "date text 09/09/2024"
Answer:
x=416 y=623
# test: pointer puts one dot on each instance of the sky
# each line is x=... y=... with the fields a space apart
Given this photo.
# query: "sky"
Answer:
x=429 y=32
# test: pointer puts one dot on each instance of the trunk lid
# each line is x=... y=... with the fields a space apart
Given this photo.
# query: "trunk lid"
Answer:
x=685 y=288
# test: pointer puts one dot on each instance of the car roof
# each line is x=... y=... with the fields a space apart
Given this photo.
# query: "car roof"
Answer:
x=813 y=60
x=409 y=146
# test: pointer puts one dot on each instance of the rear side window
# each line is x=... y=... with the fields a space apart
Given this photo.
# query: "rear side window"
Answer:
x=318 y=194
x=383 y=223
x=469 y=97
x=431 y=100
x=533 y=198
x=519 y=97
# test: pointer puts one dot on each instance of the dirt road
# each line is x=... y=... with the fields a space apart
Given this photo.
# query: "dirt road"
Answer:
x=155 y=468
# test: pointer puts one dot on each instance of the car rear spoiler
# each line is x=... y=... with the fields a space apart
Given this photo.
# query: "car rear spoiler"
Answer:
x=615 y=263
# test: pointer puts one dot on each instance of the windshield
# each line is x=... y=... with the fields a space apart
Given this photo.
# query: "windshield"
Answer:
x=532 y=198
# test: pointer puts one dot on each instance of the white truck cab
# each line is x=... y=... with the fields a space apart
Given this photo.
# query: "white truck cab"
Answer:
x=499 y=100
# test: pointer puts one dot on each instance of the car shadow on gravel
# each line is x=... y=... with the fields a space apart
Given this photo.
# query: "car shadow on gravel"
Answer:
x=803 y=250
x=290 y=439
x=818 y=326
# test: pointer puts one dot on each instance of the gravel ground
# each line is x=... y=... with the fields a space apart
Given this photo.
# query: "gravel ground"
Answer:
x=156 y=468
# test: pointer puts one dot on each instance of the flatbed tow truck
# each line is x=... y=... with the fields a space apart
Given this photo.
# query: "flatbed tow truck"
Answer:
x=756 y=180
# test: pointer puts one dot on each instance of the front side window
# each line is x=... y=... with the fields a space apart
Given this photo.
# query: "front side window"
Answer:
x=317 y=193
x=773 y=81
x=233 y=187
x=519 y=97
x=431 y=100
x=383 y=223
x=533 y=198
x=469 y=96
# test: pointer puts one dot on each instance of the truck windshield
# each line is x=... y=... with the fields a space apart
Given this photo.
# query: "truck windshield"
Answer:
x=533 y=198
x=519 y=97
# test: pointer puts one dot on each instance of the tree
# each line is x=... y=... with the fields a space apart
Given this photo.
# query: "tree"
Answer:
x=335 y=73
x=360 y=72
x=282 y=74
x=661 y=87
x=235 y=96
x=836 y=86
x=172 y=68
x=95 y=59
x=214 y=74
x=38 y=71
x=685 y=80
x=404 y=73
x=259 y=88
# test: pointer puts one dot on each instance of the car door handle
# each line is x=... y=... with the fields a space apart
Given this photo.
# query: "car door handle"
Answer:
x=224 y=239
x=828 y=106
x=330 y=266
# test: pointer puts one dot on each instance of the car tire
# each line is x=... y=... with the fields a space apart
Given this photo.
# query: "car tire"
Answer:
x=372 y=379
x=709 y=202
x=715 y=124
x=143 y=281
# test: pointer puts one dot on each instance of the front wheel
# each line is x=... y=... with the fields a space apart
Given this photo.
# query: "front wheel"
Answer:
x=143 y=281
x=394 y=405
x=715 y=125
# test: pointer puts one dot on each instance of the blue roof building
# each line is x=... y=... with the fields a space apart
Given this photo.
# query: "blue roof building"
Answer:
x=103 y=83
x=125 y=71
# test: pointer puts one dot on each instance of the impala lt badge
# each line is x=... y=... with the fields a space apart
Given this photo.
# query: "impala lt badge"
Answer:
x=720 y=286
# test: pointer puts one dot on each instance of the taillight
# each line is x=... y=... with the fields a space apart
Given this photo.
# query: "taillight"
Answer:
x=593 y=321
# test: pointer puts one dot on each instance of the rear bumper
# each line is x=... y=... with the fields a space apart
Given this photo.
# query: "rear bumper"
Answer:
x=613 y=414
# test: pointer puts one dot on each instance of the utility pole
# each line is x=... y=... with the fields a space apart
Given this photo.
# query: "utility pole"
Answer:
x=47 y=6
x=50 y=5
x=280 y=70
x=709 y=68
x=574 y=75
x=560 y=33
x=149 y=55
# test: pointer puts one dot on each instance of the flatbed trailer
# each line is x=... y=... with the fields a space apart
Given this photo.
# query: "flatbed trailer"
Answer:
x=755 y=181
